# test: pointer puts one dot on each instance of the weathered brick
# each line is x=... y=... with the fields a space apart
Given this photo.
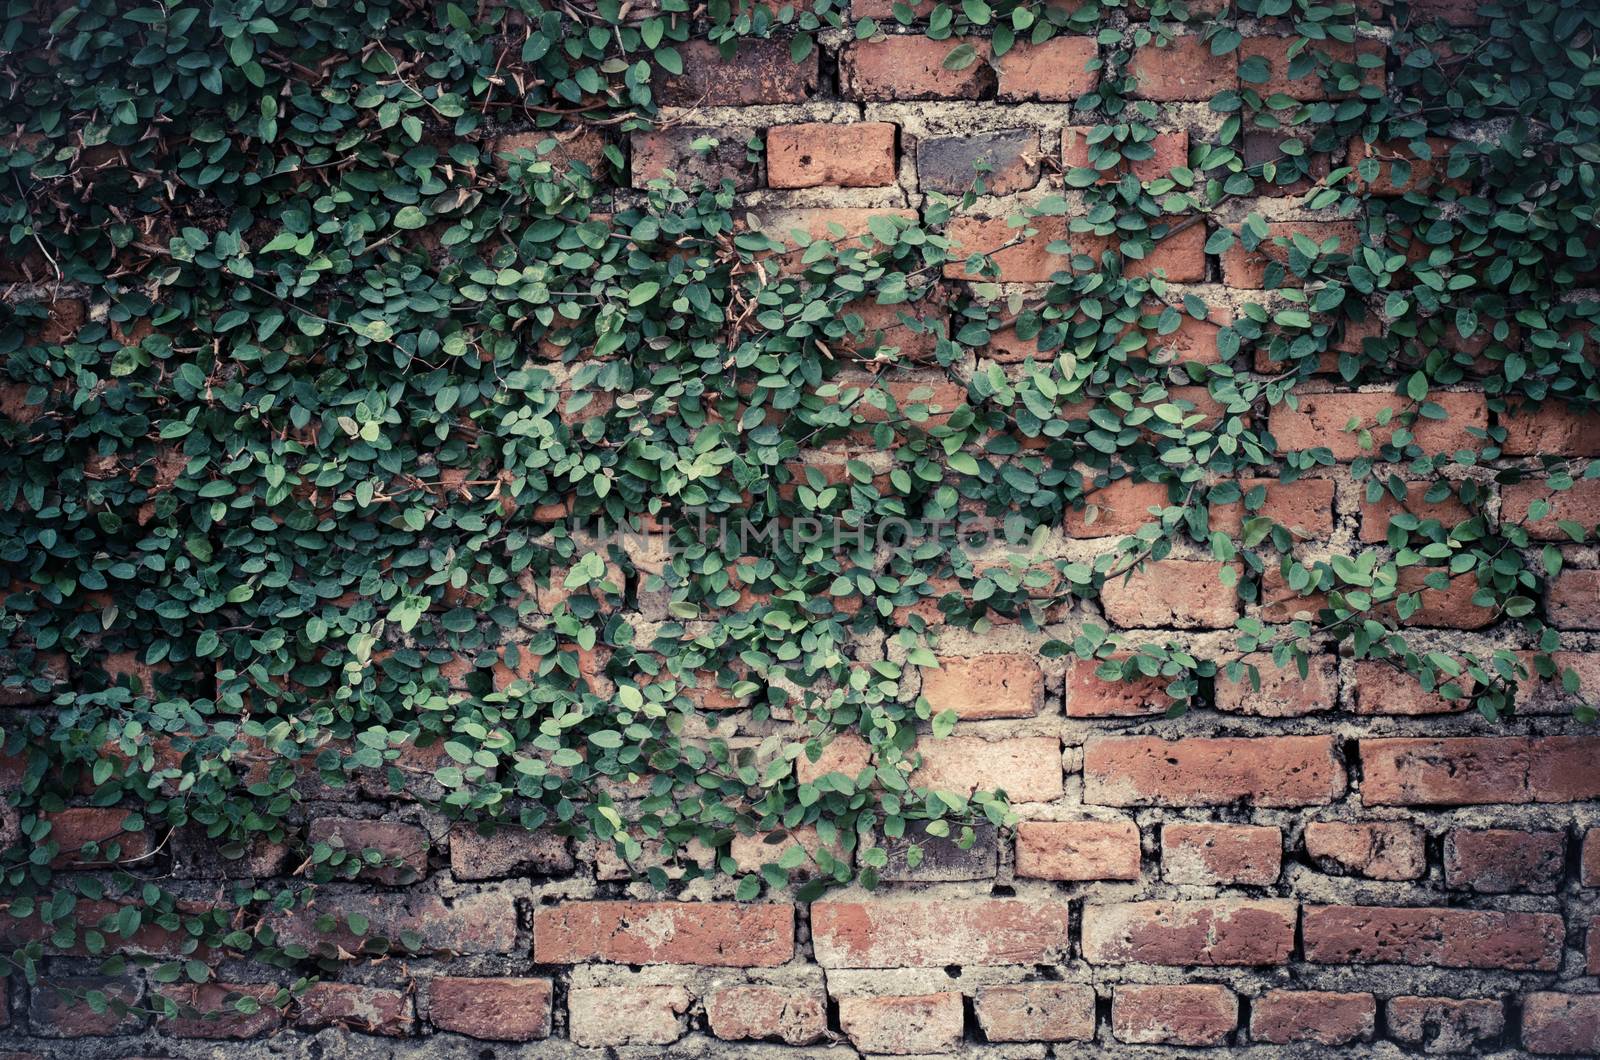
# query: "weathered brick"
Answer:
x=942 y=860
x=921 y=1023
x=812 y=154
x=1275 y=52
x=846 y=754
x=1028 y=768
x=510 y=851
x=1247 y=269
x=1282 y=1017
x=351 y=1006
x=1500 y=860
x=1303 y=507
x=94 y=835
x=1321 y=419
x=1378 y=850
x=998 y=685
x=1118 y=509
x=1180 y=593
x=1177 y=253
x=1425 y=174
x=901 y=67
x=724 y=934
x=57 y=1007
x=206 y=1010
x=1552 y=429
x=1283 y=692
x=1573 y=599
x=1215 y=854
x=1036 y=1012
x=1183 y=70
x=392 y=840
x=1029 y=261
x=1212 y=933
x=1446 y=938
x=760 y=71
x=1167 y=151
x=1561 y=1024
x=1091 y=696
x=1382 y=688
x=1589 y=873
x=469 y=924
x=1078 y=850
x=794 y=1017
x=1054 y=71
x=1447 y=1024
x=1470 y=770
x=626 y=1015
x=1266 y=771
x=1580 y=504
x=915 y=932
x=656 y=152
x=1375 y=515
x=1193 y=1014
x=499 y=1010
x=1009 y=157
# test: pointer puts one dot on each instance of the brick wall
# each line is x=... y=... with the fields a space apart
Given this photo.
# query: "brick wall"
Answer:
x=1333 y=860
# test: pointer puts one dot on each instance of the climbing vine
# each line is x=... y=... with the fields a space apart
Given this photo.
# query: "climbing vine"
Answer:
x=382 y=457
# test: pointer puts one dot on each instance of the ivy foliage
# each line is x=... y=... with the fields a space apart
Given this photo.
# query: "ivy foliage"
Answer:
x=323 y=495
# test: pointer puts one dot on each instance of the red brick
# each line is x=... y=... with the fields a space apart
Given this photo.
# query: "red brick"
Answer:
x=77 y=828
x=914 y=932
x=1275 y=50
x=903 y=67
x=1574 y=599
x=653 y=153
x=1178 y=593
x=1028 y=768
x=1265 y=771
x=391 y=839
x=1382 y=688
x=1500 y=860
x=509 y=851
x=626 y=1015
x=480 y=923
x=499 y=1010
x=1037 y=1012
x=1445 y=938
x=1375 y=515
x=1553 y=429
x=922 y=1023
x=1170 y=150
x=57 y=1008
x=1182 y=70
x=1194 y=341
x=755 y=1012
x=1283 y=692
x=1055 y=71
x=1092 y=696
x=1562 y=1024
x=1592 y=946
x=1078 y=850
x=211 y=1012
x=1303 y=507
x=1378 y=850
x=1000 y=685
x=760 y=71
x=842 y=225
x=351 y=1006
x=812 y=154
x=1247 y=269
x=1471 y=770
x=1453 y=12
x=1580 y=504
x=1326 y=1018
x=1120 y=508
x=1030 y=261
x=1179 y=254
x=846 y=753
x=1321 y=419
x=1447 y=1024
x=1426 y=175
x=1211 y=933
x=724 y=934
x=1213 y=854
x=1195 y=1014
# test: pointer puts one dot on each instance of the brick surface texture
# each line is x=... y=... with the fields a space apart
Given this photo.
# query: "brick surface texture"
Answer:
x=1333 y=863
